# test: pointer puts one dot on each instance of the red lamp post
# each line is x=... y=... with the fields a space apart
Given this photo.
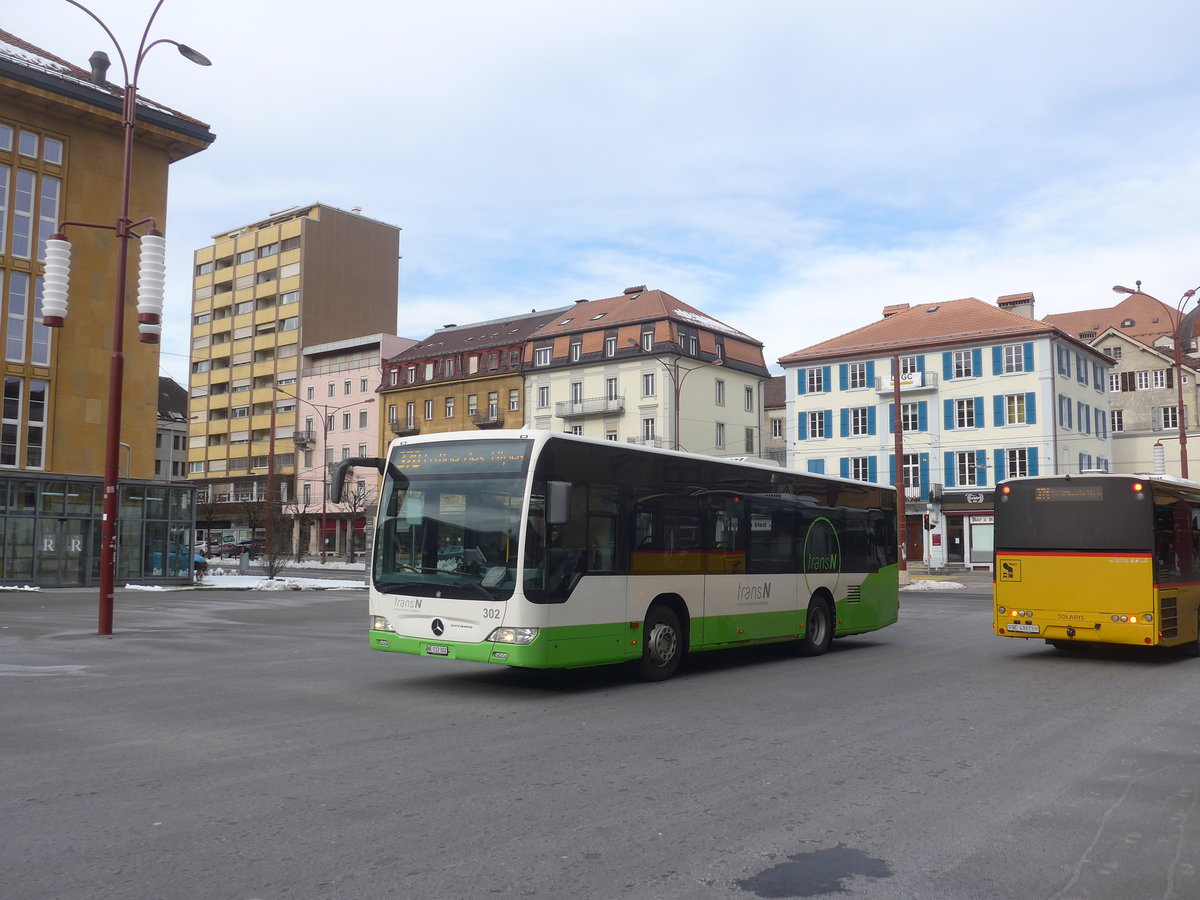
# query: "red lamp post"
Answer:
x=54 y=305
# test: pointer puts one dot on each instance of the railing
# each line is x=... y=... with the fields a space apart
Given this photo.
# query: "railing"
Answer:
x=301 y=438
x=649 y=442
x=590 y=406
x=404 y=428
x=488 y=419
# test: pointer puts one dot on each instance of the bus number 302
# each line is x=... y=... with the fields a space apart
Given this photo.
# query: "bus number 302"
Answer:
x=490 y=612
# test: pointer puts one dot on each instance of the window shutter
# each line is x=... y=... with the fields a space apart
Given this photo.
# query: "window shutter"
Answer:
x=892 y=469
x=843 y=379
x=949 y=468
x=981 y=468
x=870 y=420
x=845 y=420
x=816 y=466
x=947 y=365
x=924 y=465
x=828 y=419
x=871 y=373
x=977 y=361
x=891 y=417
x=801 y=426
x=998 y=409
x=1031 y=456
x=1028 y=354
x=979 y=412
x=1000 y=473
x=826 y=373
x=1030 y=408
x=948 y=414
x=997 y=360
x=923 y=415
x=872 y=469
x=844 y=466
x=801 y=381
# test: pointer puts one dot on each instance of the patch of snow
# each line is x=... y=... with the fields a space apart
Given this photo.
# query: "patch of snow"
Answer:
x=705 y=322
x=925 y=585
x=23 y=587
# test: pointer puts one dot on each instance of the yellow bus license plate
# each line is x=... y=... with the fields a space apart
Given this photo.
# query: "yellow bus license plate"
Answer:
x=1023 y=628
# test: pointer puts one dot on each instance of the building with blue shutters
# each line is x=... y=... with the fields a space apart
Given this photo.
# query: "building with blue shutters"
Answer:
x=987 y=392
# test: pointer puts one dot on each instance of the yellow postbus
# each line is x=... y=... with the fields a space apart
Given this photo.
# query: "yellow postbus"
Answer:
x=1098 y=559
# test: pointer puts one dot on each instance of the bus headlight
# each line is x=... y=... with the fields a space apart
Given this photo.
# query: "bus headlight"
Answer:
x=380 y=623
x=513 y=635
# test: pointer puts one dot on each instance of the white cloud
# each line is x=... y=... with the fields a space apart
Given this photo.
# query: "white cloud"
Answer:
x=786 y=167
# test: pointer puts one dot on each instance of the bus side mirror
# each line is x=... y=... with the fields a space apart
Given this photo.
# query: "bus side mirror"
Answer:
x=339 y=475
x=558 y=506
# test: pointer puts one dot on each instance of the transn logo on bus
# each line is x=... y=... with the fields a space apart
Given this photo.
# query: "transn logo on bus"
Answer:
x=822 y=551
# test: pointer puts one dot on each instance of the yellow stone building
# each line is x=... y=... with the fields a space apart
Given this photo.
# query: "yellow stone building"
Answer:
x=61 y=160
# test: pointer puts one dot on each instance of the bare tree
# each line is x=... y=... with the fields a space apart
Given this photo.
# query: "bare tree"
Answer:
x=206 y=516
x=276 y=549
x=354 y=505
x=302 y=515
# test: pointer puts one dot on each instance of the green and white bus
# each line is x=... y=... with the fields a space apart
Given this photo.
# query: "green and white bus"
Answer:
x=547 y=550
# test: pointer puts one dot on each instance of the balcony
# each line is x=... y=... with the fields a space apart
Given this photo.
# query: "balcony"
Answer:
x=488 y=419
x=913 y=382
x=591 y=406
x=649 y=442
x=404 y=428
x=304 y=438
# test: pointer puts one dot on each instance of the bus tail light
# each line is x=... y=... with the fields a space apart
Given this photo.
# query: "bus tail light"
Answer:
x=380 y=623
x=513 y=635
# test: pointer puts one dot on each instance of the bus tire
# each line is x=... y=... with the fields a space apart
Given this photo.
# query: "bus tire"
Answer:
x=662 y=644
x=818 y=628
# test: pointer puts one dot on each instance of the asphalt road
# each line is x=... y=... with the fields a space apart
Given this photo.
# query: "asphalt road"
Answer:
x=249 y=745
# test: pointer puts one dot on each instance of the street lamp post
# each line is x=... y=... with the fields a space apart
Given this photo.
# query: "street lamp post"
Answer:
x=325 y=413
x=673 y=370
x=1180 y=412
x=55 y=301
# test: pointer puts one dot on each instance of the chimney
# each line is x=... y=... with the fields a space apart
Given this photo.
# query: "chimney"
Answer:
x=1021 y=304
x=889 y=311
x=99 y=62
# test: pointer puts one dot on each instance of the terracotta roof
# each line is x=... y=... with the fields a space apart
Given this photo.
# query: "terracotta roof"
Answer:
x=1149 y=318
x=775 y=392
x=641 y=306
x=953 y=322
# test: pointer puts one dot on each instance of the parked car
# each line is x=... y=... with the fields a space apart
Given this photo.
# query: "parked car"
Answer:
x=201 y=547
x=253 y=547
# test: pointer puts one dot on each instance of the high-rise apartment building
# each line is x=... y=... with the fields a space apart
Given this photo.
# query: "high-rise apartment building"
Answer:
x=308 y=275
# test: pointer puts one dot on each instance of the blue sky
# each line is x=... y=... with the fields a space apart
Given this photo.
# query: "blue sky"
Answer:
x=787 y=167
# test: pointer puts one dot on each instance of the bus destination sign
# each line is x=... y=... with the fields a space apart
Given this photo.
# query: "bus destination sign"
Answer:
x=1067 y=493
x=462 y=457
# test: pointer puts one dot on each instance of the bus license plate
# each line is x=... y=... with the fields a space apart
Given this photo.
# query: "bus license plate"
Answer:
x=1025 y=629
x=437 y=649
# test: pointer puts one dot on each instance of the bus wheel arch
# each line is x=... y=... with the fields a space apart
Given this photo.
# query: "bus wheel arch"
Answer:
x=819 y=624
x=664 y=638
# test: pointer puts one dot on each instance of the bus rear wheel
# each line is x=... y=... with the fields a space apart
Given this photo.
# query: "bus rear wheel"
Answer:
x=818 y=629
x=662 y=644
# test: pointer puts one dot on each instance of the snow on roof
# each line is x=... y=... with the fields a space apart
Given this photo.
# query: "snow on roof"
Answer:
x=705 y=322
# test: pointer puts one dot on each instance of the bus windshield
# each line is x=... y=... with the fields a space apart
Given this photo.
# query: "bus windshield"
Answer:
x=450 y=520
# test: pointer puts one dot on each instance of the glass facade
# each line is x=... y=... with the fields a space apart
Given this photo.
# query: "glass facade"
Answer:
x=50 y=531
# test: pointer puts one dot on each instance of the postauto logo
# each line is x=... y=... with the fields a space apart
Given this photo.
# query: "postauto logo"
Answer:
x=822 y=552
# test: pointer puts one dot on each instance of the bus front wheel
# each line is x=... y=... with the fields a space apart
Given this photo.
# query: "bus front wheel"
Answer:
x=818 y=629
x=662 y=644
